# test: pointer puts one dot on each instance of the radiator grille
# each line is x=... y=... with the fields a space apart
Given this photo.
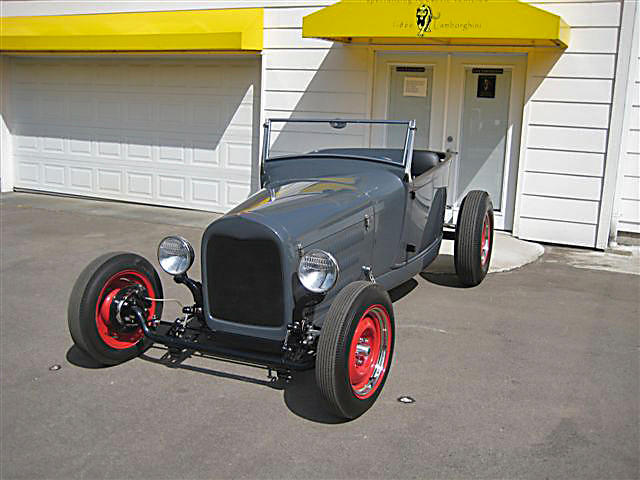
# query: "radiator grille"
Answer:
x=245 y=281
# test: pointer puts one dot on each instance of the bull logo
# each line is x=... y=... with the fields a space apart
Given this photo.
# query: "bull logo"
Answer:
x=424 y=17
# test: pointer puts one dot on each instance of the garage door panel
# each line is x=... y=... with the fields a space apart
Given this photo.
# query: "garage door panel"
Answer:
x=81 y=179
x=81 y=109
x=178 y=133
x=236 y=192
x=54 y=75
x=27 y=110
x=109 y=147
x=207 y=115
x=171 y=75
x=108 y=74
x=81 y=147
x=243 y=115
x=171 y=188
x=138 y=148
x=29 y=173
x=173 y=150
x=116 y=180
x=109 y=181
x=25 y=73
x=108 y=110
x=140 y=184
x=54 y=145
x=79 y=74
x=206 y=76
x=25 y=143
x=172 y=113
x=205 y=153
x=205 y=191
x=53 y=108
x=139 y=113
x=54 y=175
x=238 y=155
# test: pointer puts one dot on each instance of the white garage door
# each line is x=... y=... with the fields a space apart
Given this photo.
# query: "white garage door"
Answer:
x=168 y=132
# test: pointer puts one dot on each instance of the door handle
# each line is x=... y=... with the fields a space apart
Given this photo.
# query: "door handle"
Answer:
x=450 y=153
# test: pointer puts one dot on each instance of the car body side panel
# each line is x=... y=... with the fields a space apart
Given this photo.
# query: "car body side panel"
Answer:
x=389 y=206
x=421 y=224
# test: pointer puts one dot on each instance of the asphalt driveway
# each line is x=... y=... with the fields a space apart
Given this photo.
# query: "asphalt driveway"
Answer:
x=533 y=374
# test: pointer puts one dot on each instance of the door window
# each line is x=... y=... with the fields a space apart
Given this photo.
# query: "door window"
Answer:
x=410 y=93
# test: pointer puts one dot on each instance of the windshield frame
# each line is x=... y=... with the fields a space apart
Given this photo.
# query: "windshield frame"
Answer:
x=408 y=143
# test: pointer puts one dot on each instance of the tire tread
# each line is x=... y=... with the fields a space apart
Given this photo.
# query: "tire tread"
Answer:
x=81 y=313
x=331 y=346
x=467 y=244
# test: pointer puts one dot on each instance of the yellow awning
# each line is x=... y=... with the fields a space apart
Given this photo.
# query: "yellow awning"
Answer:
x=437 y=22
x=234 y=30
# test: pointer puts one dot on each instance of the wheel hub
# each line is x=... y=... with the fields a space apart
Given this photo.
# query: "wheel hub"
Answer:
x=117 y=308
x=362 y=351
x=121 y=308
x=114 y=316
x=369 y=353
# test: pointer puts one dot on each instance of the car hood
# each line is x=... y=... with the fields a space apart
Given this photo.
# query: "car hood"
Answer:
x=309 y=209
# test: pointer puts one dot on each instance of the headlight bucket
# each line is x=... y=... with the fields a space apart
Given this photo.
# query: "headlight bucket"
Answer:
x=175 y=255
x=318 y=271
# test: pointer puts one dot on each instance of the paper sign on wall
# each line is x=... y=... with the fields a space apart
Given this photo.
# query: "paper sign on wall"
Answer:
x=415 y=87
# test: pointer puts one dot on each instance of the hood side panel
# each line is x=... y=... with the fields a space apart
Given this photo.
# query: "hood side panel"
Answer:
x=352 y=249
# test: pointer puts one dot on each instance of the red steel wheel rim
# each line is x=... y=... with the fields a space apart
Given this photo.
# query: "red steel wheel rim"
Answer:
x=369 y=351
x=485 y=245
x=108 y=334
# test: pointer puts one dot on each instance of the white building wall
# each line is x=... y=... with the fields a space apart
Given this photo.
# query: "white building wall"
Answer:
x=565 y=128
x=6 y=140
x=629 y=206
x=312 y=78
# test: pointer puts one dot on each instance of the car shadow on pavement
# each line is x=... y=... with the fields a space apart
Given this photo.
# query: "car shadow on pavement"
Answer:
x=178 y=361
x=77 y=357
x=402 y=290
x=302 y=396
x=443 y=272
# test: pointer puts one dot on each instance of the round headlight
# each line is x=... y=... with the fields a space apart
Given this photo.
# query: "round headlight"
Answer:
x=318 y=271
x=175 y=255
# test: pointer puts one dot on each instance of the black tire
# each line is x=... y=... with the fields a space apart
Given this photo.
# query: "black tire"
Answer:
x=347 y=312
x=82 y=314
x=471 y=264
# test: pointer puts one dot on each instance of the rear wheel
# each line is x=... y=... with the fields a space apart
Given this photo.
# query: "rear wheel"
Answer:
x=98 y=323
x=355 y=348
x=474 y=238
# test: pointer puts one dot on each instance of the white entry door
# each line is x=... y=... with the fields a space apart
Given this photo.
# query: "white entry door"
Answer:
x=177 y=132
x=469 y=104
x=410 y=87
x=483 y=125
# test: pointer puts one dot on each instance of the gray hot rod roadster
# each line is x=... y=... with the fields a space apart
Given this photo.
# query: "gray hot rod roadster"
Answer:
x=296 y=276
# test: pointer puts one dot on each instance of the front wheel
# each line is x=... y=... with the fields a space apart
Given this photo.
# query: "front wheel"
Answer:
x=98 y=319
x=355 y=348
